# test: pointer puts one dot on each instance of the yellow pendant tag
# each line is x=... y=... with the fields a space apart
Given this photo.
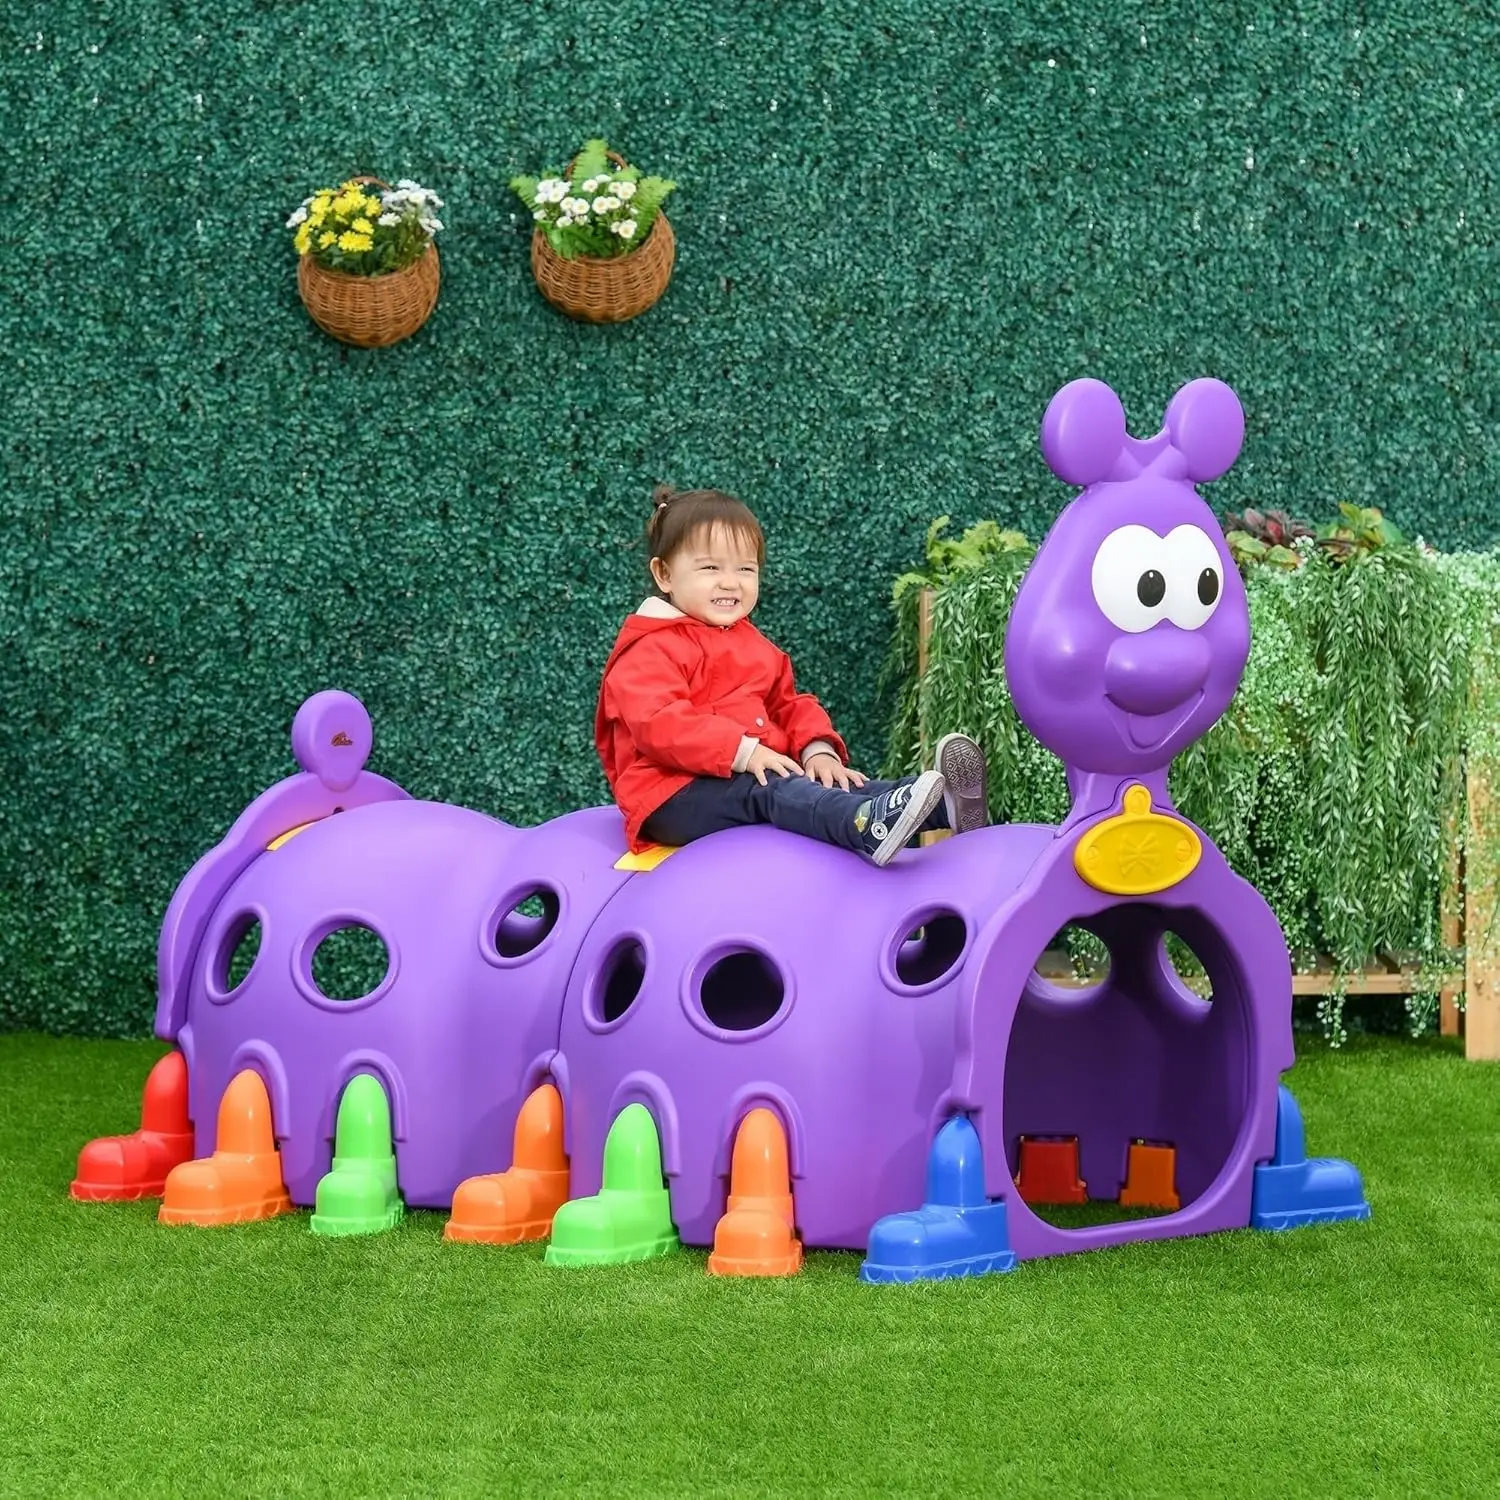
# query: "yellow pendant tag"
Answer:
x=1137 y=851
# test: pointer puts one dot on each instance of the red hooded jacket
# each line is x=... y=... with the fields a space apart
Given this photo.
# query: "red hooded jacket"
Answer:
x=681 y=699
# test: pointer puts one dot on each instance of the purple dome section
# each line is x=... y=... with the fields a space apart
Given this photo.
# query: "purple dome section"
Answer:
x=465 y=1020
x=1131 y=629
x=754 y=968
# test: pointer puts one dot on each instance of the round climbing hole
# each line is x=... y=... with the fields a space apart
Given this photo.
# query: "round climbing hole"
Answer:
x=524 y=925
x=1075 y=960
x=741 y=991
x=350 y=963
x=237 y=953
x=931 y=949
x=619 y=982
x=1185 y=969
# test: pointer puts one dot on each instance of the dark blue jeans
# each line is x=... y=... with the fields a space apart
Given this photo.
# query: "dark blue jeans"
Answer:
x=799 y=804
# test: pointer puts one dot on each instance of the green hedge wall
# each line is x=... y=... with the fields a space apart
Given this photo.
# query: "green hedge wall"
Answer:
x=901 y=229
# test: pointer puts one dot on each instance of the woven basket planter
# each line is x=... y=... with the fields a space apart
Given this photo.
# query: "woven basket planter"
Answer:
x=599 y=290
x=606 y=289
x=370 y=311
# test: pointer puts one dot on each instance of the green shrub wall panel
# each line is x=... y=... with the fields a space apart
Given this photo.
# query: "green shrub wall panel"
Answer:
x=901 y=228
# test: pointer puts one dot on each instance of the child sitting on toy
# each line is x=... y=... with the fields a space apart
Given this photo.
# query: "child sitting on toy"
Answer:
x=700 y=726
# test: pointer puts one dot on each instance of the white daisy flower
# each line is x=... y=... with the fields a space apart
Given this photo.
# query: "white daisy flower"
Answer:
x=540 y=213
x=300 y=217
x=431 y=225
x=407 y=184
x=551 y=190
x=626 y=228
x=590 y=185
x=605 y=204
x=625 y=191
x=389 y=221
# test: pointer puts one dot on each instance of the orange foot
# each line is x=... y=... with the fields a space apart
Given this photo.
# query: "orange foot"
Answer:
x=241 y=1181
x=756 y=1236
x=117 y=1168
x=1151 y=1177
x=505 y=1208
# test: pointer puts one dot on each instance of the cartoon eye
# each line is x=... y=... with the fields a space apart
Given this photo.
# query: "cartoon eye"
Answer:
x=1132 y=578
x=1195 y=577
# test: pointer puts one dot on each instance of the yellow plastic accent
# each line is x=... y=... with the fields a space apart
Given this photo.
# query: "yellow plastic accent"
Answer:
x=647 y=859
x=291 y=833
x=1137 y=851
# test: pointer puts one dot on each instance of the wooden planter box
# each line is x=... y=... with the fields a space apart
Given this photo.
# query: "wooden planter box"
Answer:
x=1467 y=924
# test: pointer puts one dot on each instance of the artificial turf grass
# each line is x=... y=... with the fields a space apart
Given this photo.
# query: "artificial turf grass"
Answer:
x=1352 y=1358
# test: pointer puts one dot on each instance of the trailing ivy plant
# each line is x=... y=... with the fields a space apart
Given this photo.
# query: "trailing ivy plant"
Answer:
x=1333 y=781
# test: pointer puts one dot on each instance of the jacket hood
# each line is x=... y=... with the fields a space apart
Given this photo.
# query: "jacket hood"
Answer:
x=654 y=614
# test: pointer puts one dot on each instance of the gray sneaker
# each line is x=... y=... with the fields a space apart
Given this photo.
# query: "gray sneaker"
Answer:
x=965 y=781
x=887 y=823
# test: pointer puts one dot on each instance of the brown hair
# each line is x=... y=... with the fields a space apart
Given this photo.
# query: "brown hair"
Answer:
x=678 y=516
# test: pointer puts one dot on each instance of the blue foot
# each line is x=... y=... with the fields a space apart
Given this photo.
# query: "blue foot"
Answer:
x=956 y=1232
x=1292 y=1190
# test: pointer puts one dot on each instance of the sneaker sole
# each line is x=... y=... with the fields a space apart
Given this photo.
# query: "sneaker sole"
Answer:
x=926 y=793
x=964 y=771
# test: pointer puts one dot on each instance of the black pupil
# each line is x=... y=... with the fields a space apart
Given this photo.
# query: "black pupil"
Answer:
x=1208 y=586
x=1151 y=588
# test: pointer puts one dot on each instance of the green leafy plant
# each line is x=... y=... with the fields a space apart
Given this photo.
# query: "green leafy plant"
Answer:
x=596 y=208
x=1359 y=531
x=1265 y=537
x=947 y=557
x=972 y=581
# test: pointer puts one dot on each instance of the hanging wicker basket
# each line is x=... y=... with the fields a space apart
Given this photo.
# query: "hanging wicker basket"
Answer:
x=370 y=311
x=606 y=289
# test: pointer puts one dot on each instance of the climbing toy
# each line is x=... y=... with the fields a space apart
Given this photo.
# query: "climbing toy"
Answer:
x=622 y=1053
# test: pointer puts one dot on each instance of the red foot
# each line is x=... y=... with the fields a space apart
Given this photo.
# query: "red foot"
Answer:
x=1049 y=1170
x=116 y=1168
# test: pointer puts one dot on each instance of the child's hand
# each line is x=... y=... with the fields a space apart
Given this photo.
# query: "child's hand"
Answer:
x=763 y=760
x=828 y=769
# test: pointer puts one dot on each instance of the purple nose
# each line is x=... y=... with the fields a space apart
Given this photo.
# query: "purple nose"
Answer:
x=1156 y=670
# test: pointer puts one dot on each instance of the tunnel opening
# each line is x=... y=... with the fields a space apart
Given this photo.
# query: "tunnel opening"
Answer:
x=1126 y=1071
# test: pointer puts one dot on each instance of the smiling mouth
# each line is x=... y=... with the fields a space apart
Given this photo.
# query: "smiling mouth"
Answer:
x=1148 y=731
x=725 y=603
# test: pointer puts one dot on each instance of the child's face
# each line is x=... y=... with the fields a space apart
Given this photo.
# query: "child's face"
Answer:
x=714 y=578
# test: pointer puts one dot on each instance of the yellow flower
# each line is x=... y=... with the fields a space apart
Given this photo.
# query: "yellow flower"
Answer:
x=348 y=204
x=363 y=226
x=320 y=203
x=372 y=205
x=354 y=242
x=326 y=239
x=315 y=215
x=303 y=241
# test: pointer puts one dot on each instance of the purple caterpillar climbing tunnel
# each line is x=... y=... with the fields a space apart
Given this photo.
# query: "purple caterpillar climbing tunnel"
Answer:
x=892 y=1021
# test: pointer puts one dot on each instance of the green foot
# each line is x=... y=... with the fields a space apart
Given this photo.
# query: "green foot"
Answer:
x=631 y=1216
x=359 y=1195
